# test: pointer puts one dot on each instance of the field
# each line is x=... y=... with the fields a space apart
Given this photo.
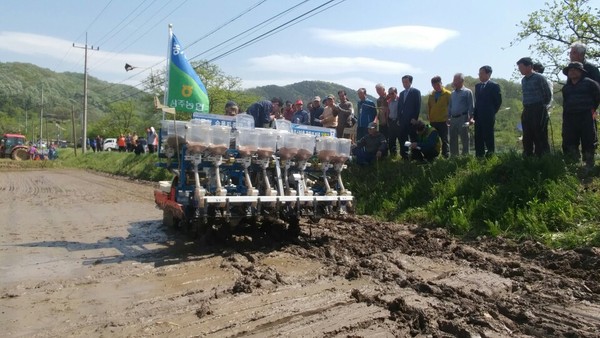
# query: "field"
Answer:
x=85 y=254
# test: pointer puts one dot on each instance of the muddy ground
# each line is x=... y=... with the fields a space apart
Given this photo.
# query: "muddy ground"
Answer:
x=86 y=255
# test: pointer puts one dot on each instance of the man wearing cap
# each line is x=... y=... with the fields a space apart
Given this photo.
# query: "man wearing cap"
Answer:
x=231 y=108
x=370 y=147
x=427 y=145
x=264 y=111
x=581 y=96
x=300 y=116
x=315 y=111
x=536 y=97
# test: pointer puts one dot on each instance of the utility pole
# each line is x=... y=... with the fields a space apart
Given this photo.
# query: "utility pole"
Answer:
x=41 y=119
x=84 y=122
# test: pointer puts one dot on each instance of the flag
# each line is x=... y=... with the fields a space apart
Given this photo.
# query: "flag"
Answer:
x=186 y=92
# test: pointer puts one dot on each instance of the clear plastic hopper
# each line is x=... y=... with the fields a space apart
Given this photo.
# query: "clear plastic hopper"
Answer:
x=288 y=145
x=343 y=150
x=220 y=136
x=198 y=136
x=327 y=148
x=267 y=142
x=176 y=133
x=247 y=142
x=306 y=147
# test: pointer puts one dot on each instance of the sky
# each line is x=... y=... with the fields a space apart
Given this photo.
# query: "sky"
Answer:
x=355 y=43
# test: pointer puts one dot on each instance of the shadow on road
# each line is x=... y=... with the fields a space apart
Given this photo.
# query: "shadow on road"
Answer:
x=151 y=242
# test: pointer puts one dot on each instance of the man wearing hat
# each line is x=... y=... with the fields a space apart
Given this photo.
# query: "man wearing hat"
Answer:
x=536 y=98
x=231 y=108
x=315 y=111
x=581 y=96
x=370 y=147
x=300 y=116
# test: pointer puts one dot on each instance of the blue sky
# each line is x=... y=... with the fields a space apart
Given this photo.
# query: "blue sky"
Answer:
x=353 y=43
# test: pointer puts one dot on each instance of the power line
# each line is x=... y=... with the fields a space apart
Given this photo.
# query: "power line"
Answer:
x=323 y=7
x=272 y=31
x=144 y=82
x=226 y=23
x=104 y=37
x=137 y=38
x=247 y=31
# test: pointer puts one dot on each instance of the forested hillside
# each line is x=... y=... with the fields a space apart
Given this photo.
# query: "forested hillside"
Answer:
x=306 y=90
x=21 y=87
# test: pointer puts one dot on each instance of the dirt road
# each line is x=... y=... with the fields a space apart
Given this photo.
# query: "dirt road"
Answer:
x=86 y=255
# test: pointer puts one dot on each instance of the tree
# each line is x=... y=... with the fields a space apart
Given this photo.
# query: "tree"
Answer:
x=554 y=29
x=220 y=86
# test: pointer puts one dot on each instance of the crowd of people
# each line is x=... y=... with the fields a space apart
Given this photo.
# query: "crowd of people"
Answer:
x=130 y=142
x=391 y=126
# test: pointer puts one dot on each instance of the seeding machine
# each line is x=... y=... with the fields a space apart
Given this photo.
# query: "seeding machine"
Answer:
x=227 y=172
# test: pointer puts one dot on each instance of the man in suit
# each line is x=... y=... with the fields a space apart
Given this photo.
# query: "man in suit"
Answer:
x=409 y=106
x=488 y=100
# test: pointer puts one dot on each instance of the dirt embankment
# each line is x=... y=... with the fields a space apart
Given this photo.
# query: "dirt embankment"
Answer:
x=83 y=254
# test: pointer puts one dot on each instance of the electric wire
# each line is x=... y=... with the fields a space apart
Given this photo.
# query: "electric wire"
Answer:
x=145 y=82
x=275 y=30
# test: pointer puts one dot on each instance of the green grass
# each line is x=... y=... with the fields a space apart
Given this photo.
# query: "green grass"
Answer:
x=123 y=164
x=506 y=195
x=539 y=198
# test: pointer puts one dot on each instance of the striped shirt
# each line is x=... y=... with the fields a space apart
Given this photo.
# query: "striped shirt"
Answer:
x=535 y=89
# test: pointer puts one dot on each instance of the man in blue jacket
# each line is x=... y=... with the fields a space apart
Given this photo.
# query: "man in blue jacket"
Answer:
x=366 y=113
x=263 y=111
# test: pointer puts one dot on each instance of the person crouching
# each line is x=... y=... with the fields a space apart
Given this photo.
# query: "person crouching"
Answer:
x=370 y=147
x=428 y=144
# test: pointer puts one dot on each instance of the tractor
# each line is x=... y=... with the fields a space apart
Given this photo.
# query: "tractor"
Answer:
x=14 y=146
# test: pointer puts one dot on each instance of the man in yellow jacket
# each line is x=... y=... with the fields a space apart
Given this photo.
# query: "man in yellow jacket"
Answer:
x=437 y=111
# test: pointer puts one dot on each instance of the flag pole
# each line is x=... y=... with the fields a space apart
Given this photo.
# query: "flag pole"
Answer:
x=169 y=47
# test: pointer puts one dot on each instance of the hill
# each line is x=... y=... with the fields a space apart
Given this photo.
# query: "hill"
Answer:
x=21 y=87
x=305 y=91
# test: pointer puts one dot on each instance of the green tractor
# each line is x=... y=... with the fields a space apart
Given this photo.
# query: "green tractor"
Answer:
x=14 y=146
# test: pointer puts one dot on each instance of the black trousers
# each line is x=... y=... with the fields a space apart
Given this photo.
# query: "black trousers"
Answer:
x=484 y=136
x=579 y=129
x=535 y=129
x=393 y=136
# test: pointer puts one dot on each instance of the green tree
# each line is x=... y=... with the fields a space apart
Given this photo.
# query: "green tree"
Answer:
x=220 y=86
x=558 y=25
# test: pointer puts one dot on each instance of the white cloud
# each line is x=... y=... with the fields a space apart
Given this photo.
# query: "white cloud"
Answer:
x=59 y=50
x=407 y=37
x=301 y=64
